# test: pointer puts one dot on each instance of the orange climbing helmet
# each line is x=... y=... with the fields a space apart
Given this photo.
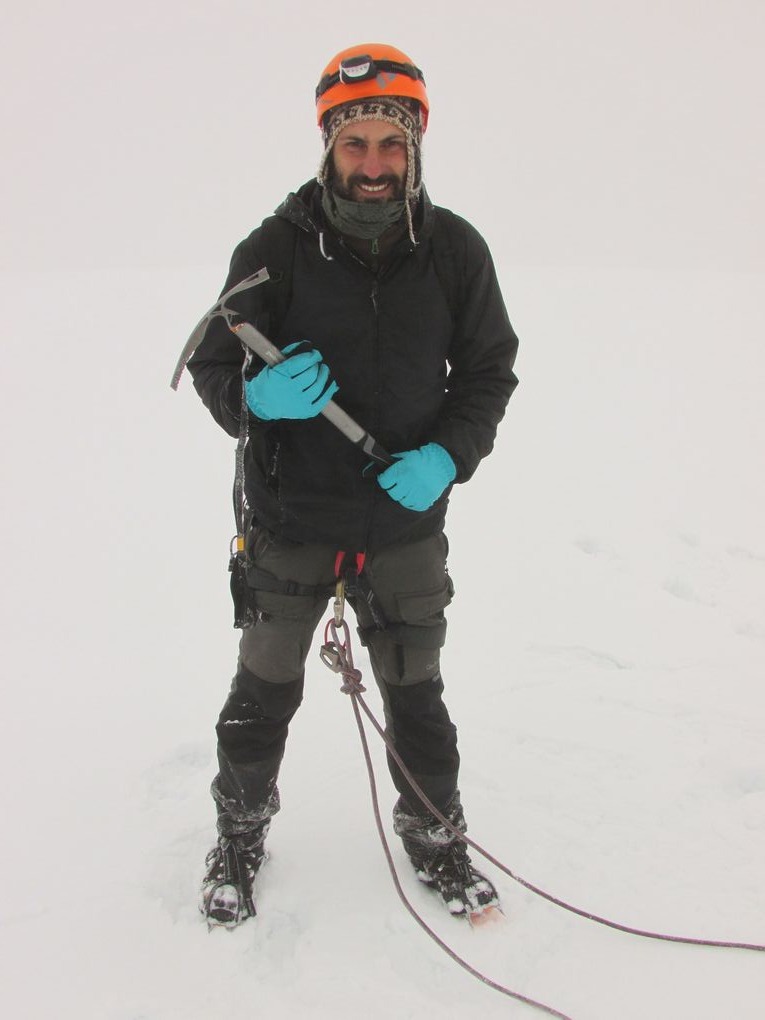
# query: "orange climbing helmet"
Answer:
x=370 y=70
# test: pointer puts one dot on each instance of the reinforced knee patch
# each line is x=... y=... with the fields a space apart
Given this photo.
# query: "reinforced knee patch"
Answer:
x=253 y=723
x=422 y=732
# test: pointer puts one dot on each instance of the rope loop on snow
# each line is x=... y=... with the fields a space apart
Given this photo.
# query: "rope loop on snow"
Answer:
x=338 y=656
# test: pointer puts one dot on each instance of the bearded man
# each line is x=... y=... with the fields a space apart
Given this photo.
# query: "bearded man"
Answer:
x=392 y=304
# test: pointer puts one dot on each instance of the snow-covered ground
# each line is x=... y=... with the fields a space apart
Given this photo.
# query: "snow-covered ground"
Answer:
x=606 y=652
x=605 y=666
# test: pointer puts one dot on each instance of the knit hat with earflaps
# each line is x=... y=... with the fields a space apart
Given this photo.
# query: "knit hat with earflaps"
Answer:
x=399 y=111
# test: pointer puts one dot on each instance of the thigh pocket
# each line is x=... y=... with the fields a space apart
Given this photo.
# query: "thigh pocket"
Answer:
x=421 y=615
x=407 y=651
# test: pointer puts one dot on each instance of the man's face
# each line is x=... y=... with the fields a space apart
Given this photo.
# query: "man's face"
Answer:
x=369 y=161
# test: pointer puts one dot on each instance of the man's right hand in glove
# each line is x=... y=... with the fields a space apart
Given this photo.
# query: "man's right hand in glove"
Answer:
x=299 y=387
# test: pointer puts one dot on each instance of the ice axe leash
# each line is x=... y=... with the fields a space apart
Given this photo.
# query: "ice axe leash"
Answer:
x=255 y=341
x=337 y=655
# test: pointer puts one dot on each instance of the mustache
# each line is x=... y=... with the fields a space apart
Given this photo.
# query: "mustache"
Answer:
x=373 y=181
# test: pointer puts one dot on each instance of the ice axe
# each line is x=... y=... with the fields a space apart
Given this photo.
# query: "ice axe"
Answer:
x=255 y=341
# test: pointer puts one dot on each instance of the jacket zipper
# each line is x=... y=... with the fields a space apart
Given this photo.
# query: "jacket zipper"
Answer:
x=374 y=295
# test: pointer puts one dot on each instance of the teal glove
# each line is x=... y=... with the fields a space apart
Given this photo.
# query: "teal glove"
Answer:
x=299 y=387
x=418 y=477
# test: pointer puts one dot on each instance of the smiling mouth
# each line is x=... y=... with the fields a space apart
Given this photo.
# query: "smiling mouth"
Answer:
x=373 y=189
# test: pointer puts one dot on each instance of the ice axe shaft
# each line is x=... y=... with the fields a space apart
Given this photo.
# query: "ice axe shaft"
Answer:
x=253 y=339
x=270 y=353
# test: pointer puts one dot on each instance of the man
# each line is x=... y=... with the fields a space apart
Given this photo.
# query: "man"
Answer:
x=393 y=305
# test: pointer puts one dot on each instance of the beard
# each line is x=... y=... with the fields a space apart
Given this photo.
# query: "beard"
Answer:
x=345 y=188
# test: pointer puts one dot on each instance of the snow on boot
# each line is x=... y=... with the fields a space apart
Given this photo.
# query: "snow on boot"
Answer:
x=226 y=898
x=464 y=890
x=441 y=861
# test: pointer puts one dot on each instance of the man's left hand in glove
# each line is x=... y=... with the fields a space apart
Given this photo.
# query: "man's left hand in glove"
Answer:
x=418 y=477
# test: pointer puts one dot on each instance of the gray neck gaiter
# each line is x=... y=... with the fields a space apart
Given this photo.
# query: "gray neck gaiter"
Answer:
x=366 y=220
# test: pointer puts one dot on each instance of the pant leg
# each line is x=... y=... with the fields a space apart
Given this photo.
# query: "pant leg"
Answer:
x=268 y=686
x=412 y=588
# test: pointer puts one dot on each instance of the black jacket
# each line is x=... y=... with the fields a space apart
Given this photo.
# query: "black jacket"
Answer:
x=410 y=371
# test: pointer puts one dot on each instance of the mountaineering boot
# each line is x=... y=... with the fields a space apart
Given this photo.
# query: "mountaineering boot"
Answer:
x=441 y=861
x=226 y=898
x=464 y=890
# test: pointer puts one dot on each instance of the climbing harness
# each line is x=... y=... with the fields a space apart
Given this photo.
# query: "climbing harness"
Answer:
x=336 y=653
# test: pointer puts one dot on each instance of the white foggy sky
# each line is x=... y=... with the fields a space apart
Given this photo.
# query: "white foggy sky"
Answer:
x=572 y=133
x=608 y=556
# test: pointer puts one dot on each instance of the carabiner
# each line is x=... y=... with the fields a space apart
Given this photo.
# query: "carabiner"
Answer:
x=338 y=606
